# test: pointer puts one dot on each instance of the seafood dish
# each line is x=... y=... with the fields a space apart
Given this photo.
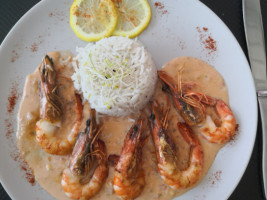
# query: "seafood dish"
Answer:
x=164 y=148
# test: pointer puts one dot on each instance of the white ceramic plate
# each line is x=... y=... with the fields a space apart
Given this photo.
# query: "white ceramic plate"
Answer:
x=171 y=33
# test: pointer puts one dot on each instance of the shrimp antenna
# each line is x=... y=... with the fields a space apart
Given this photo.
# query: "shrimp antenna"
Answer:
x=94 y=138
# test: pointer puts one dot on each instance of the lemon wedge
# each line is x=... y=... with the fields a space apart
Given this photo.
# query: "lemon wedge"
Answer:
x=133 y=17
x=91 y=20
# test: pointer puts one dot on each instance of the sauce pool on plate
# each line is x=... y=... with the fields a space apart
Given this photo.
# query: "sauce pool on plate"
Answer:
x=48 y=169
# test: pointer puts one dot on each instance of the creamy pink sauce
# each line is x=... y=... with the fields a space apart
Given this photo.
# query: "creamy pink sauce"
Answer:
x=48 y=169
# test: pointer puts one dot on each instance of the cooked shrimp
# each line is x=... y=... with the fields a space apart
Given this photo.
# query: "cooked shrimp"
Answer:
x=216 y=134
x=129 y=177
x=88 y=166
x=166 y=152
x=192 y=106
x=48 y=128
x=225 y=131
x=192 y=111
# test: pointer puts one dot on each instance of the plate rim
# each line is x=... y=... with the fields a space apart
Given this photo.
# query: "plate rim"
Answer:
x=39 y=4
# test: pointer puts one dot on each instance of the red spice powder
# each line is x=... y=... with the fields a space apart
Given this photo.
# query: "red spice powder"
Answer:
x=15 y=56
x=199 y=31
x=215 y=177
x=160 y=7
x=9 y=122
x=9 y=129
x=12 y=98
x=181 y=45
x=206 y=40
x=205 y=29
x=28 y=173
x=164 y=12
x=14 y=155
x=210 y=43
x=34 y=47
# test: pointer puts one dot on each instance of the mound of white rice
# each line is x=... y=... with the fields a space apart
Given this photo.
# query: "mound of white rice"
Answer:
x=116 y=75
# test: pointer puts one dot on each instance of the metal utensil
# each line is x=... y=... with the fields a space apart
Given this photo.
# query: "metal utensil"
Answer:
x=256 y=50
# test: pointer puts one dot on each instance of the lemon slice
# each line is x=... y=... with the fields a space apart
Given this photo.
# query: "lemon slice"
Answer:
x=133 y=17
x=92 y=20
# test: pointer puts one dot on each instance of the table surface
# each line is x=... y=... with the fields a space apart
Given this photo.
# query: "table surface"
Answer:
x=230 y=11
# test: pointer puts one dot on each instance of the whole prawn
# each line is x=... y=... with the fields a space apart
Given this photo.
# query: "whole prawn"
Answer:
x=48 y=128
x=192 y=106
x=129 y=177
x=88 y=167
x=166 y=151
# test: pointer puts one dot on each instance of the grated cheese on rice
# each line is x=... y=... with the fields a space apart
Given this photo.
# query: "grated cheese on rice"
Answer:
x=116 y=75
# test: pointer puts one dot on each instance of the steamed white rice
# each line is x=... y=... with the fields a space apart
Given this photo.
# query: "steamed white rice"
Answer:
x=116 y=75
